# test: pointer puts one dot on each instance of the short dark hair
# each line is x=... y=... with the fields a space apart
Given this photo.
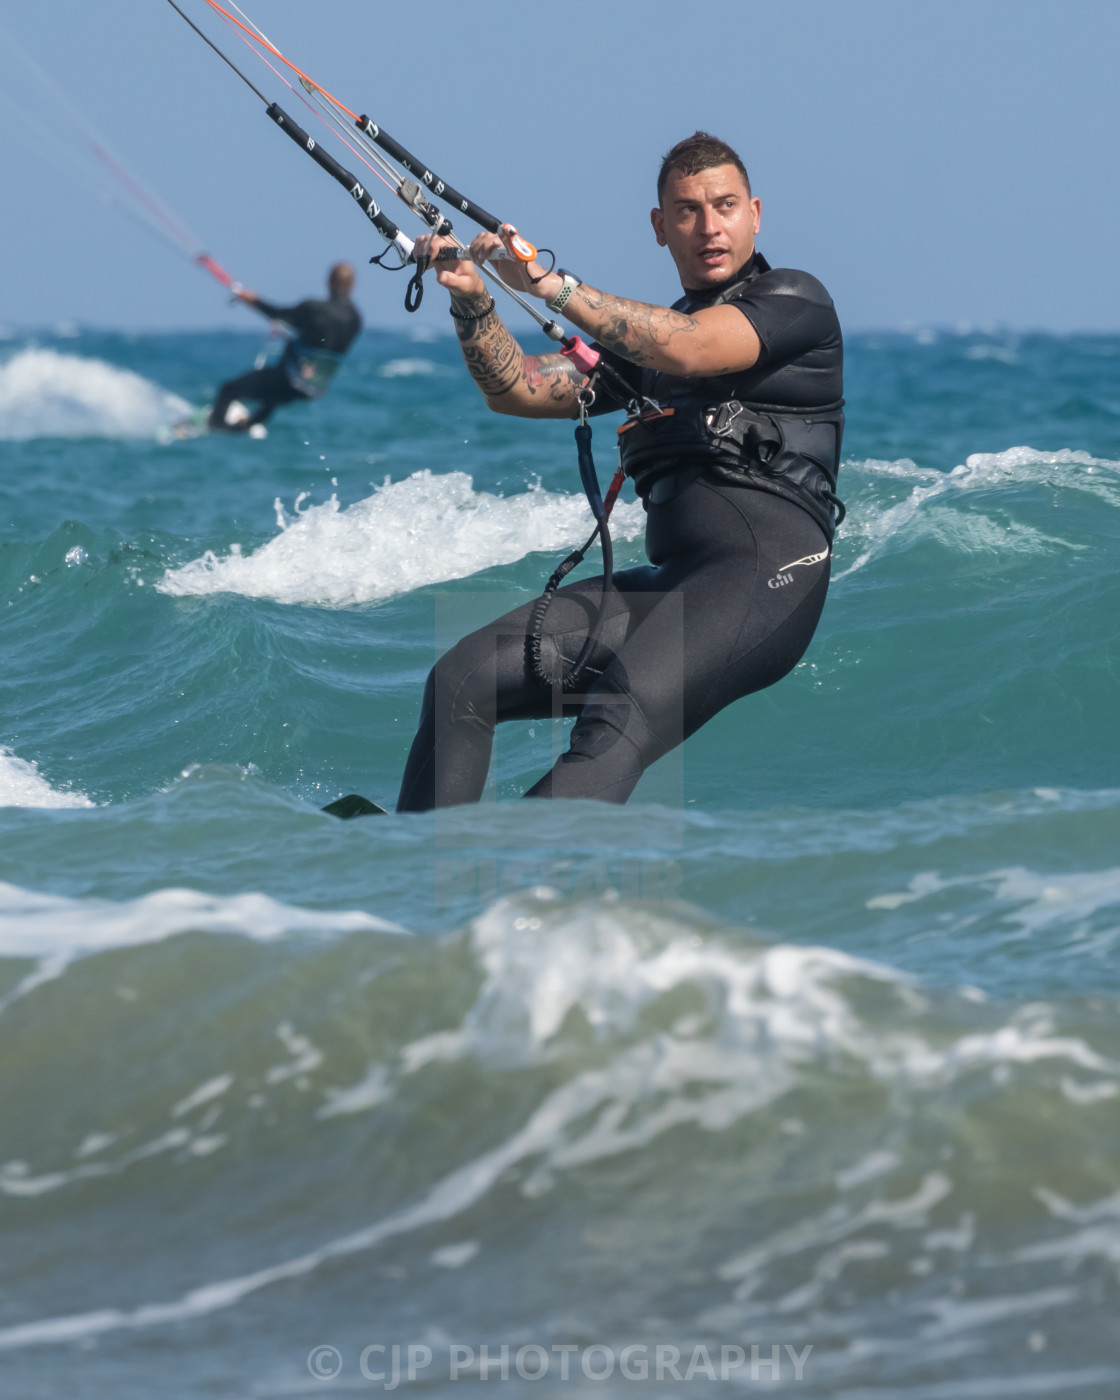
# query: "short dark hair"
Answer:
x=340 y=279
x=700 y=151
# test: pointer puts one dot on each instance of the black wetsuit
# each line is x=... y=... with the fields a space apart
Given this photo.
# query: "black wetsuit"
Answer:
x=324 y=331
x=738 y=572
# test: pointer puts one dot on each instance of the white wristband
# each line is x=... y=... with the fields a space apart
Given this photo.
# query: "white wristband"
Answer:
x=562 y=297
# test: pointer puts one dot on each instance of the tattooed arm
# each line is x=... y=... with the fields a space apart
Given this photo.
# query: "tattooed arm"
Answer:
x=528 y=386
x=712 y=341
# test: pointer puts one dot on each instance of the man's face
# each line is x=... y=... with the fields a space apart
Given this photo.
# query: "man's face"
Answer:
x=708 y=222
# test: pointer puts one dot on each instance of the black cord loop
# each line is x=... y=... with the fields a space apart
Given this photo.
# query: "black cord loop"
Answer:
x=378 y=258
x=414 y=292
x=548 y=270
x=535 y=631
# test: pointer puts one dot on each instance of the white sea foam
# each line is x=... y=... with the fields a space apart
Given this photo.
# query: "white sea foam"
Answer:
x=1030 y=902
x=407 y=369
x=17 y=1180
x=1005 y=354
x=45 y=394
x=50 y=926
x=424 y=530
x=929 y=509
x=22 y=785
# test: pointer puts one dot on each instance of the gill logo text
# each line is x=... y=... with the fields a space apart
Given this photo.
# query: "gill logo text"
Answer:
x=783 y=576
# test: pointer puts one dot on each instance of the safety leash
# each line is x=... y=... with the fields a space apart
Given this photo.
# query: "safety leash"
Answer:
x=601 y=508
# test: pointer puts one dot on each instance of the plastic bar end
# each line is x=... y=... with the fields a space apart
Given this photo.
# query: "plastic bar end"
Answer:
x=518 y=246
x=581 y=355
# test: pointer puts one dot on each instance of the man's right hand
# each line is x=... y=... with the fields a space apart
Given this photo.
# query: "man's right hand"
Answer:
x=459 y=275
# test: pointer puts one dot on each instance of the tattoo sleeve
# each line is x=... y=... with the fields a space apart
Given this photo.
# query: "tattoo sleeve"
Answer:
x=634 y=329
x=500 y=367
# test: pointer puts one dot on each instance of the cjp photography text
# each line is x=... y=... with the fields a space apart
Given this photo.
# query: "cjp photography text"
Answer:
x=389 y=1365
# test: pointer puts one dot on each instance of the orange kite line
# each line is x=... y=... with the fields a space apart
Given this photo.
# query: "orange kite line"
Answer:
x=260 y=39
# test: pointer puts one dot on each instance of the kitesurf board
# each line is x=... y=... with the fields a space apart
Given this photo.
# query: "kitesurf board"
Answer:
x=194 y=425
x=197 y=424
x=354 y=805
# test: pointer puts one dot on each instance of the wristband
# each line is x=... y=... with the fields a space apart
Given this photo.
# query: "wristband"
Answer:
x=563 y=296
x=478 y=315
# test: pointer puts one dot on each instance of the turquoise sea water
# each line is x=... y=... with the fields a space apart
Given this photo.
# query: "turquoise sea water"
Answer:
x=813 y=1045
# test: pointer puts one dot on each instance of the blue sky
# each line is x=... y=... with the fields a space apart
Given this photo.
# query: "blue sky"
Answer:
x=933 y=164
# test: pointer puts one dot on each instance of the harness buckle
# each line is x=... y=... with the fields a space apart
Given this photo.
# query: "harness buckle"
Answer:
x=721 y=418
x=652 y=415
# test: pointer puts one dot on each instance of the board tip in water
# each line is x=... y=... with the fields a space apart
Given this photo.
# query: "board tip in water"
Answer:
x=354 y=805
x=197 y=424
x=192 y=426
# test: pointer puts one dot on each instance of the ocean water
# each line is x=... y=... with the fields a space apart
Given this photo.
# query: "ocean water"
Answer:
x=799 y=1074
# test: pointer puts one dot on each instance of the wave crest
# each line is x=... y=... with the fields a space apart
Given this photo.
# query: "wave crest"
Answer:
x=22 y=785
x=46 y=394
x=409 y=534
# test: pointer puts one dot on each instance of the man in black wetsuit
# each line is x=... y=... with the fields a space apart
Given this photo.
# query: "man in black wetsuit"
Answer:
x=734 y=400
x=323 y=332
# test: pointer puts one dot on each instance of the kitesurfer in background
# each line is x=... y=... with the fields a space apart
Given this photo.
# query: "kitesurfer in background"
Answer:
x=323 y=331
x=733 y=444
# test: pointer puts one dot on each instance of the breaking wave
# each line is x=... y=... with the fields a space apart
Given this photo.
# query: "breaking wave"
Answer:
x=47 y=394
x=427 y=529
x=22 y=785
